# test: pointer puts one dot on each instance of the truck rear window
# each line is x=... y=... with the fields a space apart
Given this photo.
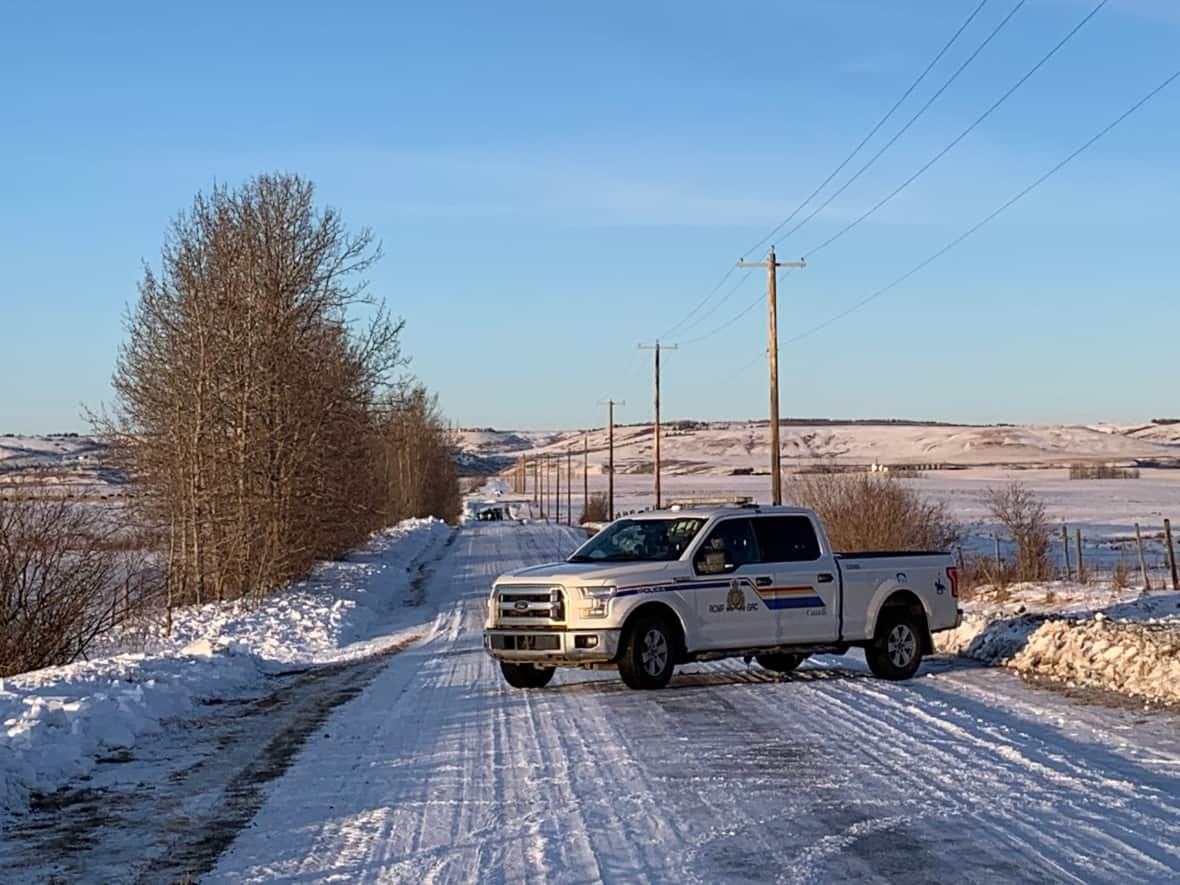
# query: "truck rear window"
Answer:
x=786 y=539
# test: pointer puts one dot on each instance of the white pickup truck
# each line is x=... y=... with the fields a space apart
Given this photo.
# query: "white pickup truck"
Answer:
x=700 y=582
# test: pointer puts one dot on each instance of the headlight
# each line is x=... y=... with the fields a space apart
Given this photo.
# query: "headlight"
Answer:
x=597 y=598
x=597 y=592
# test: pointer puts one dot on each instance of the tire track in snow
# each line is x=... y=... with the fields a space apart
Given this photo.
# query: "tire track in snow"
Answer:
x=730 y=774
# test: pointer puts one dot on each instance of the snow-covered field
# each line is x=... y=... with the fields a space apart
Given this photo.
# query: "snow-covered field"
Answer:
x=59 y=721
x=720 y=447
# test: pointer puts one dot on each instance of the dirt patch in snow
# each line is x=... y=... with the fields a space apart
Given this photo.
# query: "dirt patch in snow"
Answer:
x=174 y=826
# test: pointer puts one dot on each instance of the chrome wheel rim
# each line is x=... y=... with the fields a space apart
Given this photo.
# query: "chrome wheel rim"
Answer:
x=654 y=654
x=902 y=645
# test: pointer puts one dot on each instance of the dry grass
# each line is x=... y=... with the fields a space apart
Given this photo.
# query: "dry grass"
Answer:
x=872 y=512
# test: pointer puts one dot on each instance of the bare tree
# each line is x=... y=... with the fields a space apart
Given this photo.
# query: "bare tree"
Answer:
x=63 y=580
x=1022 y=514
x=249 y=400
x=595 y=510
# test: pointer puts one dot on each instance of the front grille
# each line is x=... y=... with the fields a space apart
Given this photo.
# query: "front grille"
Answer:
x=529 y=606
x=526 y=642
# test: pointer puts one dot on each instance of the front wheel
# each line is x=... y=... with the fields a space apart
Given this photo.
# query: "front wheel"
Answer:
x=526 y=675
x=896 y=653
x=647 y=659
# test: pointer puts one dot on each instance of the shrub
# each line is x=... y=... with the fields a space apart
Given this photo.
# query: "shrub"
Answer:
x=871 y=512
x=595 y=509
x=1120 y=575
x=1102 y=471
x=62 y=581
x=1022 y=514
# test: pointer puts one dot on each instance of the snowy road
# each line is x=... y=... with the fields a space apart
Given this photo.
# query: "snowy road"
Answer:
x=438 y=772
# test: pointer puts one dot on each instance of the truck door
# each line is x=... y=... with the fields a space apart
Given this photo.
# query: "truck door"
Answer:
x=726 y=574
x=804 y=586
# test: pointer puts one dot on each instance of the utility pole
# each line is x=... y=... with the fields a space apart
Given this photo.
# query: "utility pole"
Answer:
x=772 y=265
x=610 y=464
x=537 y=481
x=657 y=347
x=569 y=484
x=557 y=493
x=586 y=475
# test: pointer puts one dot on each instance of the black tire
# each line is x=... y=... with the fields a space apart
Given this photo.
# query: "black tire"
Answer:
x=648 y=656
x=780 y=663
x=526 y=675
x=896 y=653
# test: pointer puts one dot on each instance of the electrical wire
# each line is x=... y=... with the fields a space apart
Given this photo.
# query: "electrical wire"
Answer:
x=938 y=57
x=856 y=150
x=978 y=120
x=990 y=217
x=712 y=310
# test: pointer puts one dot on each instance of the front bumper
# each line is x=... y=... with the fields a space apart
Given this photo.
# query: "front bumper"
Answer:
x=557 y=647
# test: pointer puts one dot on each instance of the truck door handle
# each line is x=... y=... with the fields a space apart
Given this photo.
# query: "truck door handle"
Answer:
x=763 y=582
x=825 y=577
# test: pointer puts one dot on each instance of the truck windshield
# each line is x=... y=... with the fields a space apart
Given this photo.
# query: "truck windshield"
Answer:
x=640 y=540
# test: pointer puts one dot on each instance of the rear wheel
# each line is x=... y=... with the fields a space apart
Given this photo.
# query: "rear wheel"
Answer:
x=896 y=653
x=648 y=656
x=781 y=663
x=526 y=675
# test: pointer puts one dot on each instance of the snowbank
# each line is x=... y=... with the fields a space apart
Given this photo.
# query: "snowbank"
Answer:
x=1130 y=646
x=59 y=721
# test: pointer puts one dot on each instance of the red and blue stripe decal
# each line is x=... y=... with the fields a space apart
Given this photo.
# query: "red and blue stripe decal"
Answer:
x=772 y=597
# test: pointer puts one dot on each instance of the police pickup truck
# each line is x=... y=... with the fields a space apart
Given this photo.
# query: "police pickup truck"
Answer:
x=702 y=581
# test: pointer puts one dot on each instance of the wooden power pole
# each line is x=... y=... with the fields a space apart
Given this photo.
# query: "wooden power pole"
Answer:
x=610 y=464
x=569 y=484
x=586 y=472
x=657 y=347
x=772 y=265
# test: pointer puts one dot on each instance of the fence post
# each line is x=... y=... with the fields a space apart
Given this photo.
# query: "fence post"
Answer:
x=1142 y=558
x=1065 y=551
x=1171 y=553
x=1078 y=554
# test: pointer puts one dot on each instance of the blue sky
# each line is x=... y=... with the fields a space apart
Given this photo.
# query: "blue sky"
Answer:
x=555 y=182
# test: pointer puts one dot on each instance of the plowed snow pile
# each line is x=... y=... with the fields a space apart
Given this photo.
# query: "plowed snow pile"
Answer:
x=58 y=721
x=1129 y=646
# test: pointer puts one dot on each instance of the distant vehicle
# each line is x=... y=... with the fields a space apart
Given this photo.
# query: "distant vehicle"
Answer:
x=705 y=580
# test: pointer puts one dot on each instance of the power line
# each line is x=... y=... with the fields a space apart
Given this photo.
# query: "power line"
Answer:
x=701 y=303
x=978 y=120
x=761 y=299
x=897 y=104
x=712 y=310
x=943 y=88
x=992 y=216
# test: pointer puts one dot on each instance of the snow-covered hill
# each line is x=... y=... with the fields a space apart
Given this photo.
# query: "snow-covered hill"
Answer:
x=725 y=447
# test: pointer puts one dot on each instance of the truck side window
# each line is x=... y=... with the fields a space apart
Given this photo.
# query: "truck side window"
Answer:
x=730 y=545
x=786 y=539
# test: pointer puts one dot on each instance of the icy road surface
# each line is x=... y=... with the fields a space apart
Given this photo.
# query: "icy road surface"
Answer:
x=438 y=772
